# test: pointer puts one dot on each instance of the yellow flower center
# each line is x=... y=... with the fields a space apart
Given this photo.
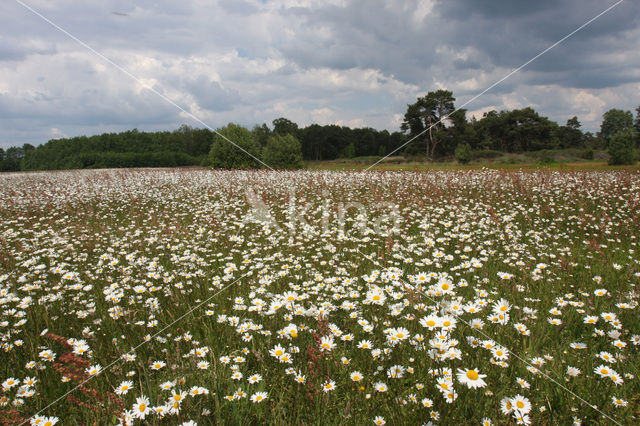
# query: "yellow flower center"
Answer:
x=520 y=404
x=472 y=375
x=142 y=407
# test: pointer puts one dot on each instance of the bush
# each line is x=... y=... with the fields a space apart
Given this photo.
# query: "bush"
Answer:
x=224 y=154
x=546 y=156
x=283 y=152
x=463 y=153
x=588 y=154
x=621 y=148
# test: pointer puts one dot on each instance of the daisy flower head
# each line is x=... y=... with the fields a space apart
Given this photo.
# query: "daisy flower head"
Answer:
x=157 y=365
x=254 y=378
x=602 y=370
x=93 y=370
x=379 y=420
x=258 y=397
x=380 y=387
x=329 y=385
x=471 y=377
x=124 y=387
x=521 y=404
x=618 y=402
x=141 y=408
x=356 y=376
x=327 y=344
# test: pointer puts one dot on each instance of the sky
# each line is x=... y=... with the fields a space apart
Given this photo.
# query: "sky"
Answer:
x=354 y=63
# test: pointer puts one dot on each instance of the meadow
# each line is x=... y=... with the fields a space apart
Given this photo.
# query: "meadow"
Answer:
x=177 y=296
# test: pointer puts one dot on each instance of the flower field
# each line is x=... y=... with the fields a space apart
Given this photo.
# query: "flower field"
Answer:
x=254 y=297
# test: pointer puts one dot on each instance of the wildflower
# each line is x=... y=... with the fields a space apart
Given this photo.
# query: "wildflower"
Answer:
x=141 y=407
x=573 y=371
x=506 y=406
x=328 y=386
x=94 y=370
x=521 y=404
x=327 y=344
x=602 y=370
x=277 y=351
x=379 y=420
x=9 y=383
x=258 y=397
x=472 y=378
x=356 y=376
x=167 y=385
x=124 y=387
x=365 y=344
x=380 y=387
x=426 y=402
x=157 y=365
x=619 y=402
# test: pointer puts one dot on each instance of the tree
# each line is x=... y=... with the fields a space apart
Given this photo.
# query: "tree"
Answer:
x=283 y=126
x=283 y=152
x=1 y=154
x=261 y=134
x=227 y=155
x=463 y=153
x=570 y=135
x=425 y=118
x=615 y=121
x=621 y=148
x=636 y=125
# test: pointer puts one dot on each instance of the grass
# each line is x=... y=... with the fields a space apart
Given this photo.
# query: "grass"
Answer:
x=217 y=269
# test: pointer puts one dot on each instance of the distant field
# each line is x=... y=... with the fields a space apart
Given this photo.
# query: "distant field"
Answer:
x=504 y=163
x=447 y=294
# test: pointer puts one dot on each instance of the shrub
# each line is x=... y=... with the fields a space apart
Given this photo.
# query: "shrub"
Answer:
x=227 y=155
x=588 y=154
x=283 y=152
x=463 y=153
x=621 y=148
x=546 y=156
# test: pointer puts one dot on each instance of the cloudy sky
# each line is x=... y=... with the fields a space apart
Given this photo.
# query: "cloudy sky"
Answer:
x=356 y=63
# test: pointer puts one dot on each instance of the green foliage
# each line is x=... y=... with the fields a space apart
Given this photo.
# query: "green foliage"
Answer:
x=463 y=153
x=425 y=120
x=283 y=152
x=546 y=156
x=12 y=158
x=185 y=146
x=284 y=126
x=349 y=151
x=261 y=134
x=516 y=131
x=588 y=154
x=615 y=121
x=486 y=154
x=621 y=148
x=241 y=154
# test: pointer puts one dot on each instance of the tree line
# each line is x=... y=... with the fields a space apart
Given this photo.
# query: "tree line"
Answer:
x=432 y=125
